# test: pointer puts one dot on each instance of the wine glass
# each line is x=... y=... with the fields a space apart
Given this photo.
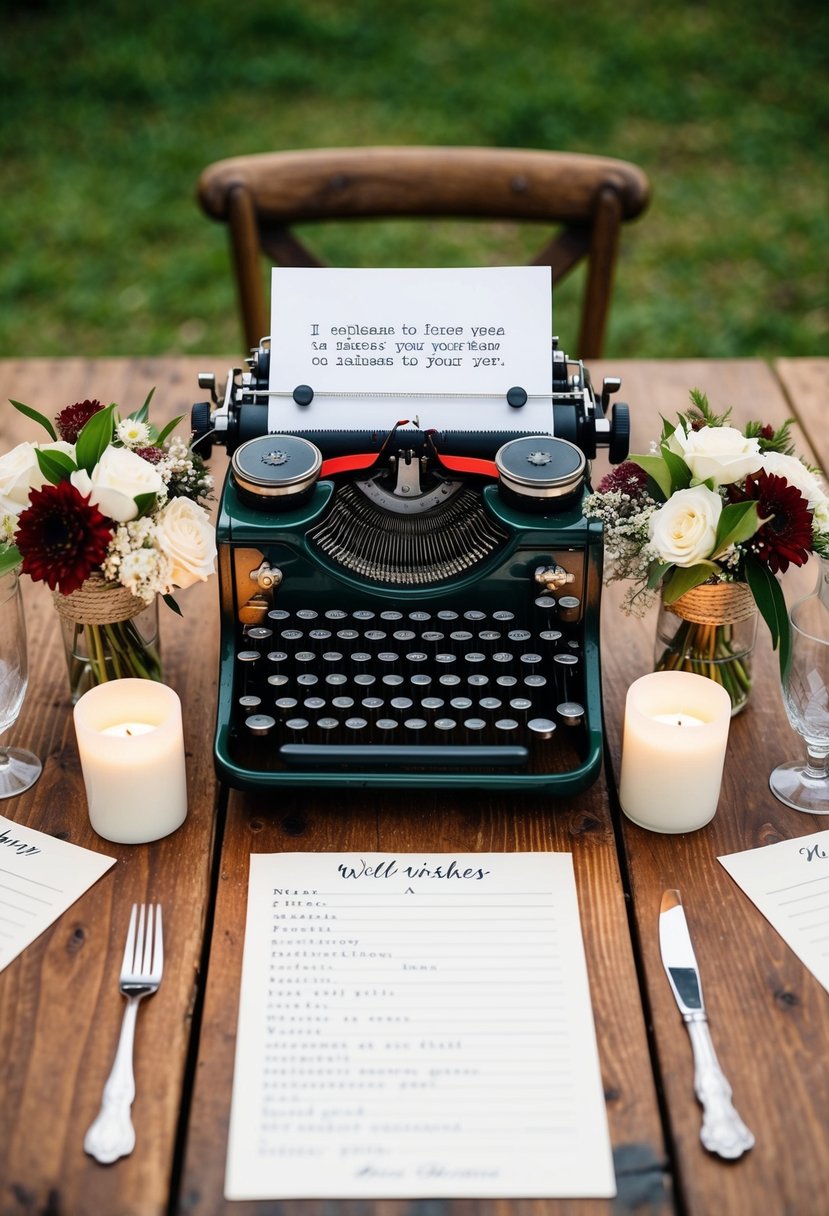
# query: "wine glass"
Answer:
x=19 y=769
x=804 y=786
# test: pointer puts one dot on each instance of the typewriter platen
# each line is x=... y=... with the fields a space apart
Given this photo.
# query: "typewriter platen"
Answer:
x=405 y=606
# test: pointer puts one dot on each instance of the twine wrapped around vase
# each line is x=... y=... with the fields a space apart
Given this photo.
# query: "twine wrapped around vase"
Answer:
x=715 y=604
x=98 y=602
x=108 y=634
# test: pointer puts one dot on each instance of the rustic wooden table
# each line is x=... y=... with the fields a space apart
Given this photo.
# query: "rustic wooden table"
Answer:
x=59 y=1008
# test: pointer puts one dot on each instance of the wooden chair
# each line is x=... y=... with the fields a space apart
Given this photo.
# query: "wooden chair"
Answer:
x=262 y=196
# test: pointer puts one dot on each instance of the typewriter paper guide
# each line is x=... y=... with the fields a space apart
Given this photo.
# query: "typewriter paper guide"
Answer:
x=440 y=348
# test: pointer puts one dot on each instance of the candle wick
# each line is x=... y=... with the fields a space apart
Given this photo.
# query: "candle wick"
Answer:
x=129 y=732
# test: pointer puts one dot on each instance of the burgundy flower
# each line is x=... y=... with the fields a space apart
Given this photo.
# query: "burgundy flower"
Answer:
x=626 y=478
x=151 y=454
x=787 y=537
x=61 y=537
x=71 y=421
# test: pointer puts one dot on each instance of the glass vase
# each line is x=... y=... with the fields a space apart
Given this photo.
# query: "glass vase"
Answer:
x=710 y=631
x=108 y=634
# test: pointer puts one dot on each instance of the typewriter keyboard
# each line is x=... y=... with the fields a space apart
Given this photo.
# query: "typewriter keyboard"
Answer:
x=412 y=689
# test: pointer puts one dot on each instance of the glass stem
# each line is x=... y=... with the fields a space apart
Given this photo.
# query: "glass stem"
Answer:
x=817 y=765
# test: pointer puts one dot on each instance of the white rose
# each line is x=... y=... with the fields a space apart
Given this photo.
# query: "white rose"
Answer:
x=20 y=473
x=719 y=452
x=184 y=532
x=683 y=529
x=116 y=480
x=777 y=464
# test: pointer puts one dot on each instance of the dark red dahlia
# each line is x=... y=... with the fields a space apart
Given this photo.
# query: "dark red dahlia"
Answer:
x=61 y=537
x=626 y=478
x=151 y=454
x=787 y=537
x=71 y=421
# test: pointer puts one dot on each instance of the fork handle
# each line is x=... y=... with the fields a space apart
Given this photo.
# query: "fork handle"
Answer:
x=112 y=1134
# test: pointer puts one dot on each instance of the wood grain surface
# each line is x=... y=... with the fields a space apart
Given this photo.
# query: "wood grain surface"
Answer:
x=60 y=1010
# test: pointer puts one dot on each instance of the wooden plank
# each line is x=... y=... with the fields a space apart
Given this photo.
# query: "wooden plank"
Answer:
x=769 y=1017
x=806 y=385
x=60 y=1010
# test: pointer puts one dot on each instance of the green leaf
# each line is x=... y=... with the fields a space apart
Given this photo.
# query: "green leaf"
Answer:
x=657 y=470
x=94 y=439
x=36 y=417
x=678 y=469
x=738 y=521
x=143 y=413
x=769 y=598
x=9 y=559
x=145 y=503
x=656 y=573
x=171 y=603
x=168 y=429
x=55 y=466
x=685 y=578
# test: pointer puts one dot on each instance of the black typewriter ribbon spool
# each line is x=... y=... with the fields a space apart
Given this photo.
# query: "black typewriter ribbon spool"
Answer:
x=541 y=472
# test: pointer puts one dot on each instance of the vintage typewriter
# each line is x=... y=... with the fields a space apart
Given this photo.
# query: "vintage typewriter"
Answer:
x=409 y=607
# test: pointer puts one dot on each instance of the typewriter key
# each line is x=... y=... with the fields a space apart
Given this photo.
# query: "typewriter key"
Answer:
x=506 y=681
x=541 y=728
x=364 y=679
x=415 y=728
x=307 y=614
x=279 y=615
x=489 y=639
x=359 y=661
x=341 y=703
x=391 y=615
x=363 y=616
x=519 y=635
x=319 y=635
x=545 y=608
x=474 y=728
x=489 y=705
x=571 y=713
x=461 y=704
x=385 y=728
x=335 y=615
x=327 y=728
x=356 y=729
x=279 y=679
x=431 y=705
x=520 y=706
x=290 y=636
x=432 y=639
x=401 y=703
x=421 y=680
x=419 y=618
x=336 y=679
x=314 y=704
x=247 y=656
x=550 y=638
x=285 y=705
x=445 y=725
x=347 y=635
x=477 y=681
x=449 y=680
x=249 y=703
x=307 y=679
x=332 y=660
x=530 y=662
x=260 y=724
x=568 y=608
x=505 y=728
x=445 y=659
x=392 y=680
x=258 y=633
x=459 y=640
x=503 y=615
x=447 y=615
x=372 y=704
x=564 y=666
x=535 y=681
x=295 y=728
x=404 y=637
x=474 y=616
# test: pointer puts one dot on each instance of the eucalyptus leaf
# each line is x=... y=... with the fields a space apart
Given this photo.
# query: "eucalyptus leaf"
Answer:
x=769 y=598
x=9 y=559
x=145 y=503
x=168 y=429
x=94 y=439
x=685 y=578
x=56 y=466
x=738 y=521
x=36 y=417
x=657 y=470
x=678 y=469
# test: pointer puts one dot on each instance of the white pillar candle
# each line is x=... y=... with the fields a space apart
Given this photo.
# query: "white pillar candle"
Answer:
x=131 y=745
x=673 y=750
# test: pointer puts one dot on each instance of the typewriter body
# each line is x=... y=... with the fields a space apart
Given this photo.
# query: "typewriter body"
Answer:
x=407 y=607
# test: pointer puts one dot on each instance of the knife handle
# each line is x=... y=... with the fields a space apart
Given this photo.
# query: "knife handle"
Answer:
x=723 y=1131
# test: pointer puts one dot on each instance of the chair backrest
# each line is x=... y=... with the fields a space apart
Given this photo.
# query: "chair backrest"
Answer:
x=585 y=197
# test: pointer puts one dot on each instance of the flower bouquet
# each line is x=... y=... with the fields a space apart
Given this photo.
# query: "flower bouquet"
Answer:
x=707 y=521
x=110 y=513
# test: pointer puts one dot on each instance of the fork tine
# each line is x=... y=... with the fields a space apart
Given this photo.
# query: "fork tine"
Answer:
x=141 y=942
x=158 y=945
x=129 y=948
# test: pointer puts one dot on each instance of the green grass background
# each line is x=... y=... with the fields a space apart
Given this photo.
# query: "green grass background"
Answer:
x=109 y=111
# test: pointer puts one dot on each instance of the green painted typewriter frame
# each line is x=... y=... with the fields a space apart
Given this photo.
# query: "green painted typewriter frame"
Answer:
x=309 y=580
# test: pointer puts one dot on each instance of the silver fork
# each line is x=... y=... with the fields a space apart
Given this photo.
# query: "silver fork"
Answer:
x=112 y=1134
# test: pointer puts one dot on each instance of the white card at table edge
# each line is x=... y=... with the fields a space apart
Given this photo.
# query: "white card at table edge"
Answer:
x=537 y=1096
x=446 y=343
x=788 y=881
x=40 y=877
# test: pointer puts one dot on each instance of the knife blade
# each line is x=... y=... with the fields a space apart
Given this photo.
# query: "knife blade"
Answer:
x=723 y=1131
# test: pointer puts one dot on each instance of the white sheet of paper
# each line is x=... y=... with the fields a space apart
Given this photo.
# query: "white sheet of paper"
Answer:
x=439 y=347
x=40 y=877
x=789 y=883
x=415 y=1026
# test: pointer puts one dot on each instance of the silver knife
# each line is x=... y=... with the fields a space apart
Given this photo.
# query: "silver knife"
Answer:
x=723 y=1131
